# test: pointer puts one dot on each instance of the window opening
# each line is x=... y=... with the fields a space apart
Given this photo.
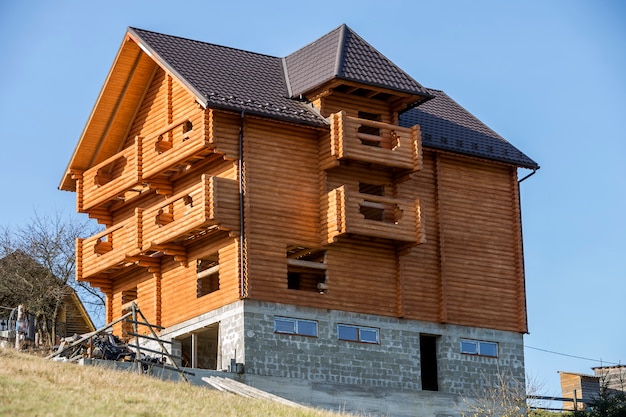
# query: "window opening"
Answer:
x=358 y=333
x=103 y=245
x=372 y=210
x=428 y=362
x=162 y=144
x=480 y=348
x=306 y=269
x=187 y=128
x=165 y=215
x=110 y=171
x=300 y=327
x=370 y=136
x=208 y=276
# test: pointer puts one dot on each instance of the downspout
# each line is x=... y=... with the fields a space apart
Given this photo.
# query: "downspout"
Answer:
x=241 y=206
x=524 y=327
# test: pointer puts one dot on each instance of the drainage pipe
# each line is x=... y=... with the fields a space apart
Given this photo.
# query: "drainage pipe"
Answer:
x=529 y=175
x=241 y=206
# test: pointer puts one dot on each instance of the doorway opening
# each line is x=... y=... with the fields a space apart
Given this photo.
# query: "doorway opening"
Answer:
x=200 y=348
x=428 y=362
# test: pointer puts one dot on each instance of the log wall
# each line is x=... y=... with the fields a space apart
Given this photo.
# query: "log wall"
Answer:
x=468 y=271
x=281 y=204
x=464 y=267
x=179 y=283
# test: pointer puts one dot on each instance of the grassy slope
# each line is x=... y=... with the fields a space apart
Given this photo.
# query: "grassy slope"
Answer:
x=31 y=386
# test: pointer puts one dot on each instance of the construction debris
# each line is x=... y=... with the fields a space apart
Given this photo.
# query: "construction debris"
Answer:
x=101 y=344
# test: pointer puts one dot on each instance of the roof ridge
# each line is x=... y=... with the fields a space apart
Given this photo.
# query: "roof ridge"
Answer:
x=343 y=54
x=316 y=40
x=341 y=47
x=283 y=62
x=205 y=43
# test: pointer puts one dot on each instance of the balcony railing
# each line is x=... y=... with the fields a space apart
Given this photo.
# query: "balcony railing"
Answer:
x=213 y=204
x=173 y=146
x=352 y=138
x=111 y=178
x=108 y=250
x=349 y=212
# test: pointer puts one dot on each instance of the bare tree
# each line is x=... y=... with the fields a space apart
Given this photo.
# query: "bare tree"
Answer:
x=501 y=395
x=49 y=241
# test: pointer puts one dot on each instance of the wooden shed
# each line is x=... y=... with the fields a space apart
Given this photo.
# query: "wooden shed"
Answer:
x=72 y=317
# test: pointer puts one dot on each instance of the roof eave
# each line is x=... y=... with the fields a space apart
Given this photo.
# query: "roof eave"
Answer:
x=67 y=182
x=507 y=161
x=200 y=97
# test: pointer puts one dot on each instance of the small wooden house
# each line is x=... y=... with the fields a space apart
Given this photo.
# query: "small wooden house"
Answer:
x=72 y=317
x=321 y=217
x=582 y=389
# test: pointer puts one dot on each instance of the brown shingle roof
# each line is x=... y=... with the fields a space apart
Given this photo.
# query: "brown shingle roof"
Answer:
x=345 y=55
x=228 y=78
x=239 y=80
x=447 y=126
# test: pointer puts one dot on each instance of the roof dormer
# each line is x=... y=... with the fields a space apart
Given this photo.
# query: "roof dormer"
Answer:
x=342 y=62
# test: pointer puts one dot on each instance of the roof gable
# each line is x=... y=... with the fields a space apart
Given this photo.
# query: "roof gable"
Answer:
x=342 y=54
x=242 y=81
x=227 y=78
x=447 y=126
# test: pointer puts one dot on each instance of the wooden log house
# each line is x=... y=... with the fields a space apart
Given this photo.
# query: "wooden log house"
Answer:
x=326 y=199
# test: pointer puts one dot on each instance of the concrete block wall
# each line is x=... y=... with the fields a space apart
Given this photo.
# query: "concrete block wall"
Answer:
x=392 y=364
x=377 y=379
x=231 y=332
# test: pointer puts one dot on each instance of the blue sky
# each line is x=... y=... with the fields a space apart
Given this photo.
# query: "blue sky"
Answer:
x=549 y=76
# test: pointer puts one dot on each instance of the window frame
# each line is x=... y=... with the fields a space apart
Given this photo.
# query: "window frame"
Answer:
x=207 y=276
x=480 y=347
x=359 y=338
x=296 y=326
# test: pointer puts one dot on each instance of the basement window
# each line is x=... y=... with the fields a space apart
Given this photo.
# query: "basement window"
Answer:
x=479 y=348
x=300 y=327
x=358 y=334
x=306 y=269
x=207 y=271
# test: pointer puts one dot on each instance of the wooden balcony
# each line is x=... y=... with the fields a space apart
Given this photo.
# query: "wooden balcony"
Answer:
x=177 y=144
x=110 y=178
x=350 y=213
x=211 y=205
x=369 y=141
x=109 y=249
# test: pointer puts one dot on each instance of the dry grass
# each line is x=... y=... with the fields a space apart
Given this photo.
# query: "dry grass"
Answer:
x=32 y=386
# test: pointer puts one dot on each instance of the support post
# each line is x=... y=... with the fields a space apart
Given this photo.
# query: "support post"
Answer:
x=136 y=331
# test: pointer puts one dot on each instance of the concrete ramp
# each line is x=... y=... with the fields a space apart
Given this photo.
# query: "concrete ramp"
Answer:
x=234 y=387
